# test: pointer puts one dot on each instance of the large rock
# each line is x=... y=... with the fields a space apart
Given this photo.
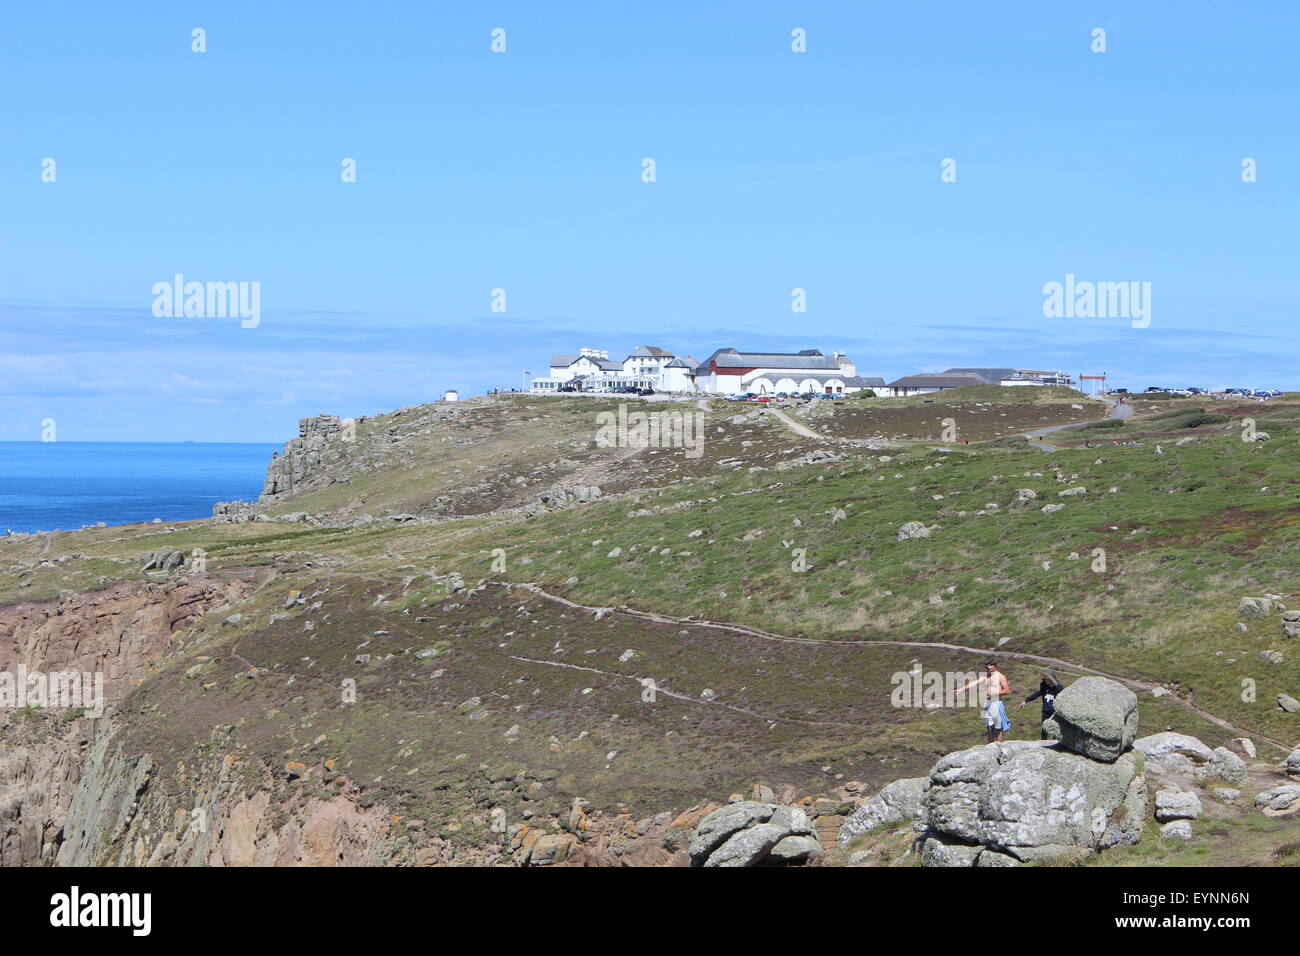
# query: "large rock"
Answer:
x=1177 y=805
x=747 y=847
x=794 y=849
x=1095 y=717
x=163 y=559
x=1254 y=607
x=1176 y=830
x=750 y=833
x=1171 y=751
x=1226 y=765
x=913 y=529
x=937 y=851
x=898 y=802
x=1279 y=800
x=1032 y=800
x=1292 y=763
x=718 y=826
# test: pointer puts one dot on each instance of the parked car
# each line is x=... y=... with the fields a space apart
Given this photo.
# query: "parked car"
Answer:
x=645 y=391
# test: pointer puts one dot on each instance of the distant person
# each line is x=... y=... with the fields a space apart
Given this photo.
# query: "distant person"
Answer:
x=1048 y=688
x=995 y=687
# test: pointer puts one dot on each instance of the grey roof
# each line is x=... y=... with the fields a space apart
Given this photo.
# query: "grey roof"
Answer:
x=810 y=359
x=650 y=351
x=564 y=361
x=865 y=381
x=989 y=376
x=937 y=381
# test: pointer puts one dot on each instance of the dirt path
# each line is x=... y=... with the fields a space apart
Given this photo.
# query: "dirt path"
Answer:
x=796 y=427
x=1037 y=437
x=595 y=472
x=955 y=648
x=801 y=429
x=686 y=697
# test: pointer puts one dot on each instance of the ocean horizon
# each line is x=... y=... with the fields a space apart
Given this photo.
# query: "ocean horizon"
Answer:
x=63 y=485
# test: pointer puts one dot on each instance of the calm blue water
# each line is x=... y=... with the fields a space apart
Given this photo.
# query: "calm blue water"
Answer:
x=65 y=484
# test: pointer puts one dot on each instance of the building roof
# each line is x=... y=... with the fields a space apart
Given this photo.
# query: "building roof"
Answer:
x=937 y=381
x=989 y=376
x=649 y=351
x=564 y=361
x=809 y=359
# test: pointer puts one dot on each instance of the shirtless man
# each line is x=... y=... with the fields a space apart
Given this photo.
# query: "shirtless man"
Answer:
x=995 y=688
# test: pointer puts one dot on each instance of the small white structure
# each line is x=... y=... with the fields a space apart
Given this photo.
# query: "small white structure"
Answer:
x=451 y=395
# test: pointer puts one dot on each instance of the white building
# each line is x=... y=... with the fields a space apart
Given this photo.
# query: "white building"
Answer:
x=593 y=370
x=731 y=371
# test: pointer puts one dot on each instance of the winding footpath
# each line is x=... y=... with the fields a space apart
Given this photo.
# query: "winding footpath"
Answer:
x=1037 y=438
x=754 y=632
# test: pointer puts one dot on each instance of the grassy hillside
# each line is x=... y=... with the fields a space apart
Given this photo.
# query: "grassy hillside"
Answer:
x=461 y=689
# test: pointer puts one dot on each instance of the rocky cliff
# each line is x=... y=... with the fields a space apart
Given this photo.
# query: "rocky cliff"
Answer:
x=120 y=632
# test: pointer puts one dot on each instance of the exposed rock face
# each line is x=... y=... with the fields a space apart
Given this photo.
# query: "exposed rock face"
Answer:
x=122 y=814
x=1029 y=800
x=119 y=632
x=305 y=456
x=898 y=802
x=1095 y=717
x=235 y=512
x=163 y=559
x=751 y=833
x=563 y=497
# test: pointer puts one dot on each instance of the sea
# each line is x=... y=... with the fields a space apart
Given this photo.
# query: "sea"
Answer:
x=62 y=485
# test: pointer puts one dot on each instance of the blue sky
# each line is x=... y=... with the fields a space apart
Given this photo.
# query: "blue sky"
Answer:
x=522 y=171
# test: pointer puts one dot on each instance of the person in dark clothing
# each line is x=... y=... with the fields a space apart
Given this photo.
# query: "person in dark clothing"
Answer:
x=1048 y=688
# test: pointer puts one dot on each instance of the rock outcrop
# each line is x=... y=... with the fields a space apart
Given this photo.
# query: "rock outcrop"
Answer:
x=1029 y=800
x=1096 y=717
x=1003 y=804
x=898 y=802
x=749 y=833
